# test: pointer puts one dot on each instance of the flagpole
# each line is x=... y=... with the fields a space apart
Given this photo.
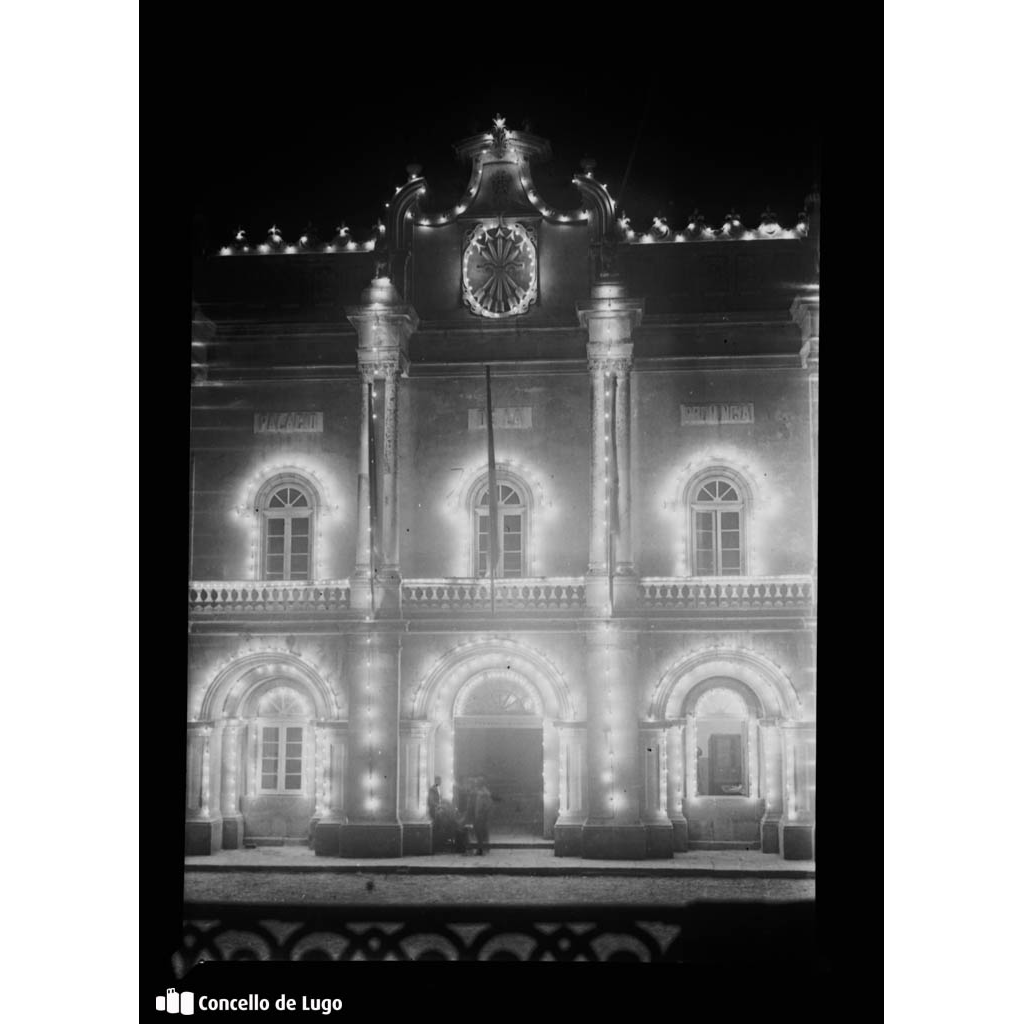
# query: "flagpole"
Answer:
x=492 y=491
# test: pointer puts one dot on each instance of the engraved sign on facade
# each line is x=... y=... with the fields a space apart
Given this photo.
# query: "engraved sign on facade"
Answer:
x=717 y=413
x=288 y=423
x=508 y=418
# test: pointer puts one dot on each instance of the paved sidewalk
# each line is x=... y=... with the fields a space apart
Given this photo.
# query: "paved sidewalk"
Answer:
x=703 y=863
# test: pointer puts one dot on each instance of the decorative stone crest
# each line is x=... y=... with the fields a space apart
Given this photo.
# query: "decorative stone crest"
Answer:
x=499 y=270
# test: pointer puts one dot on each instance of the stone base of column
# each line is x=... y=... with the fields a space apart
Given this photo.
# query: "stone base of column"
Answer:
x=359 y=597
x=680 y=835
x=770 y=835
x=367 y=839
x=660 y=840
x=796 y=842
x=327 y=838
x=625 y=588
x=614 y=842
x=596 y=594
x=364 y=839
x=203 y=836
x=232 y=832
x=387 y=589
x=568 y=840
x=417 y=839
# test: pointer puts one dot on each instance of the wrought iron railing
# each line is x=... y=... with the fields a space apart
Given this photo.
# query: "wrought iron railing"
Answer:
x=254 y=596
x=753 y=592
x=699 y=932
x=542 y=594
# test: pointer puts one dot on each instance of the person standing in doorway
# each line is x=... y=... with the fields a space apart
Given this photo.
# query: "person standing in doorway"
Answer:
x=482 y=818
x=434 y=797
x=468 y=818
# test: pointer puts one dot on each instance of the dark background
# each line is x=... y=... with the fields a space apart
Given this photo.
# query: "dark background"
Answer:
x=289 y=153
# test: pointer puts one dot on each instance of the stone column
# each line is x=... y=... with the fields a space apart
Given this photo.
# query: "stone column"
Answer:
x=203 y=831
x=572 y=788
x=363 y=487
x=231 y=785
x=383 y=324
x=372 y=827
x=415 y=776
x=675 y=752
x=654 y=798
x=610 y=317
x=797 y=831
x=613 y=827
x=331 y=735
x=805 y=314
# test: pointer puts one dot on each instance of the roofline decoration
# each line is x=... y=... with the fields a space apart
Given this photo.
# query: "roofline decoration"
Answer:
x=607 y=221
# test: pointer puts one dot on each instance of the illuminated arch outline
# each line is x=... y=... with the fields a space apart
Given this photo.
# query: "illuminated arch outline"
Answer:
x=244 y=680
x=463 y=664
x=681 y=685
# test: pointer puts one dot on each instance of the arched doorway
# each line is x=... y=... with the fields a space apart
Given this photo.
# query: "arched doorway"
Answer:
x=499 y=735
x=499 y=708
x=278 y=748
x=266 y=753
x=727 y=713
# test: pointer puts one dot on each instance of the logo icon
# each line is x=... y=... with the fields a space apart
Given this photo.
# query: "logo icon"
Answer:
x=177 y=1002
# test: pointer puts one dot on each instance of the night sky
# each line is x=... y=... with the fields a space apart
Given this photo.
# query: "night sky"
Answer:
x=288 y=150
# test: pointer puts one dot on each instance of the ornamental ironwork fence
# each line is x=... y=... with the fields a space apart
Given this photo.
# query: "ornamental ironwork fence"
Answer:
x=708 y=932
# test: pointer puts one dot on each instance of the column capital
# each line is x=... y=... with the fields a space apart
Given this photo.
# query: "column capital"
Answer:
x=614 y=357
x=609 y=314
x=804 y=312
x=421 y=727
x=384 y=324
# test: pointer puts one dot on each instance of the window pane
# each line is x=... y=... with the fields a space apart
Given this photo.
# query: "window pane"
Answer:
x=293 y=782
x=268 y=781
x=275 y=545
x=730 y=560
x=730 y=520
x=299 y=568
x=486 y=499
x=726 y=493
x=300 y=527
x=278 y=500
x=275 y=527
x=294 y=734
x=300 y=501
x=270 y=734
x=706 y=494
x=300 y=545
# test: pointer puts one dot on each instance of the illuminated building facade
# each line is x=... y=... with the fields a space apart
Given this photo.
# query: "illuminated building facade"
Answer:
x=640 y=678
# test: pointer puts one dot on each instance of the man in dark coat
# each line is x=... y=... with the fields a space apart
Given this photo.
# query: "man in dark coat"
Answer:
x=434 y=797
x=482 y=818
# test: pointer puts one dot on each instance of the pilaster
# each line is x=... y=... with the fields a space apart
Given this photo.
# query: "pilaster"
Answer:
x=331 y=740
x=372 y=827
x=572 y=788
x=415 y=768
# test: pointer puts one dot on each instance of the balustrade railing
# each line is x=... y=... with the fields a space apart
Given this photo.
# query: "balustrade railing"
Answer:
x=755 y=592
x=260 y=597
x=546 y=594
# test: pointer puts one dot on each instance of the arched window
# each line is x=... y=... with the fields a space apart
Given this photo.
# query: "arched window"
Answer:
x=717 y=528
x=282 y=716
x=286 y=510
x=511 y=555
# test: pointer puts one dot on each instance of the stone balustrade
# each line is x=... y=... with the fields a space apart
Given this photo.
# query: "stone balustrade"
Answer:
x=543 y=594
x=752 y=592
x=546 y=594
x=259 y=597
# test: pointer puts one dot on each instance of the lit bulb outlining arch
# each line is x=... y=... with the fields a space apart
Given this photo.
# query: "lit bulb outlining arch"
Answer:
x=242 y=675
x=459 y=665
x=776 y=697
